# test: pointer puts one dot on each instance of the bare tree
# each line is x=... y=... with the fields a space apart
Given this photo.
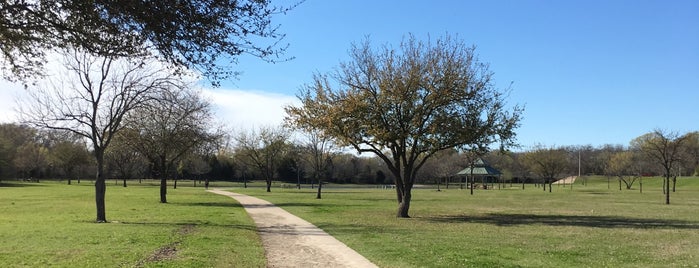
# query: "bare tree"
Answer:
x=90 y=98
x=262 y=150
x=665 y=148
x=548 y=163
x=167 y=130
x=320 y=149
x=621 y=165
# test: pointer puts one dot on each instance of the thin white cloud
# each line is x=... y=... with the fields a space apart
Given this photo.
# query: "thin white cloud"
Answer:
x=248 y=109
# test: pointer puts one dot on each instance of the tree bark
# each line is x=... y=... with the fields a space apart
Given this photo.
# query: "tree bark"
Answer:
x=100 y=189
x=674 y=182
x=124 y=182
x=163 y=190
x=404 y=205
x=320 y=185
x=269 y=185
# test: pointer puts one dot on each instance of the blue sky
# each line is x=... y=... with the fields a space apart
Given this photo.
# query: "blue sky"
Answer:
x=588 y=72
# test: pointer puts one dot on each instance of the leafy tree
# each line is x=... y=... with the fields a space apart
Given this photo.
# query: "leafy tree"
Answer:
x=13 y=136
x=665 y=149
x=31 y=160
x=404 y=105
x=263 y=150
x=195 y=34
x=90 y=99
x=548 y=163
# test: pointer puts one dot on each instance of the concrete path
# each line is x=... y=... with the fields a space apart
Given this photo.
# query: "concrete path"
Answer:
x=290 y=241
x=566 y=181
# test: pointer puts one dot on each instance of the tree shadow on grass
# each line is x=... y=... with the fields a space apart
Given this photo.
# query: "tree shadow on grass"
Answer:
x=18 y=184
x=568 y=220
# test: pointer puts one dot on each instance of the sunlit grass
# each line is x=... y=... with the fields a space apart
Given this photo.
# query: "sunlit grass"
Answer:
x=50 y=224
x=586 y=226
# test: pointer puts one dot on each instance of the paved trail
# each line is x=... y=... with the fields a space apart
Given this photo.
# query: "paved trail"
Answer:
x=290 y=241
x=567 y=180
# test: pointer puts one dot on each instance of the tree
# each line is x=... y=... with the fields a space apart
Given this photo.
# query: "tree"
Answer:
x=622 y=166
x=665 y=149
x=194 y=34
x=320 y=149
x=31 y=161
x=404 y=105
x=548 y=163
x=169 y=129
x=124 y=161
x=90 y=99
x=262 y=150
x=12 y=137
x=68 y=155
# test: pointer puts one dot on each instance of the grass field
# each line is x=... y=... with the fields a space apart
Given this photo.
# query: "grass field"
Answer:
x=50 y=224
x=588 y=226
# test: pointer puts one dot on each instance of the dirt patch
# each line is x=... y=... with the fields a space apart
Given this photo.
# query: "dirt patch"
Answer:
x=168 y=252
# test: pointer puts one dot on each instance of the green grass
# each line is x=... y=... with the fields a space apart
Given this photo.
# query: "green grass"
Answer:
x=588 y=226
x=50 y=224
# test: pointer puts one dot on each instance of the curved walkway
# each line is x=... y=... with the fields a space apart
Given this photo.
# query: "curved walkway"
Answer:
x=567 y=180
x=290 y=241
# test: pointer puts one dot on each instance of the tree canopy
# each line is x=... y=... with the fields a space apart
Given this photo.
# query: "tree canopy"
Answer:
x=406 y=104
x=195 y=34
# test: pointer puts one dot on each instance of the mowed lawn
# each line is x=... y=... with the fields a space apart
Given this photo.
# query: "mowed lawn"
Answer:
x=52 y=225
x=588 y=226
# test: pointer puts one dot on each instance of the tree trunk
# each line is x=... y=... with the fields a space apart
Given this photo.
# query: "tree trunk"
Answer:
x=163 y=190
x=674 y=182
x=124 y=182
x=68 y=181
x=320 y=185
x=269 y=185
x=550 y=185
x=544 y=185
x=404 y=206
x=100 y=189
x=174 y=185
x=667 y=190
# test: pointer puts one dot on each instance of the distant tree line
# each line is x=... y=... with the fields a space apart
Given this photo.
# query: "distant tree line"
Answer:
x=29 y=153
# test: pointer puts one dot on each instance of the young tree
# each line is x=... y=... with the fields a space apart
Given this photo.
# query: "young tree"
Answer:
x=665 y=149
x=404 y=105
x=90 y=99
x=124 y=161
x=622 y=166
x=194 y=34
x=263 y=150
x=548 y=163
x=319 y=150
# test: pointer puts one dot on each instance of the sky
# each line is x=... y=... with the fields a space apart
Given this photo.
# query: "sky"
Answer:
x=587 y=72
